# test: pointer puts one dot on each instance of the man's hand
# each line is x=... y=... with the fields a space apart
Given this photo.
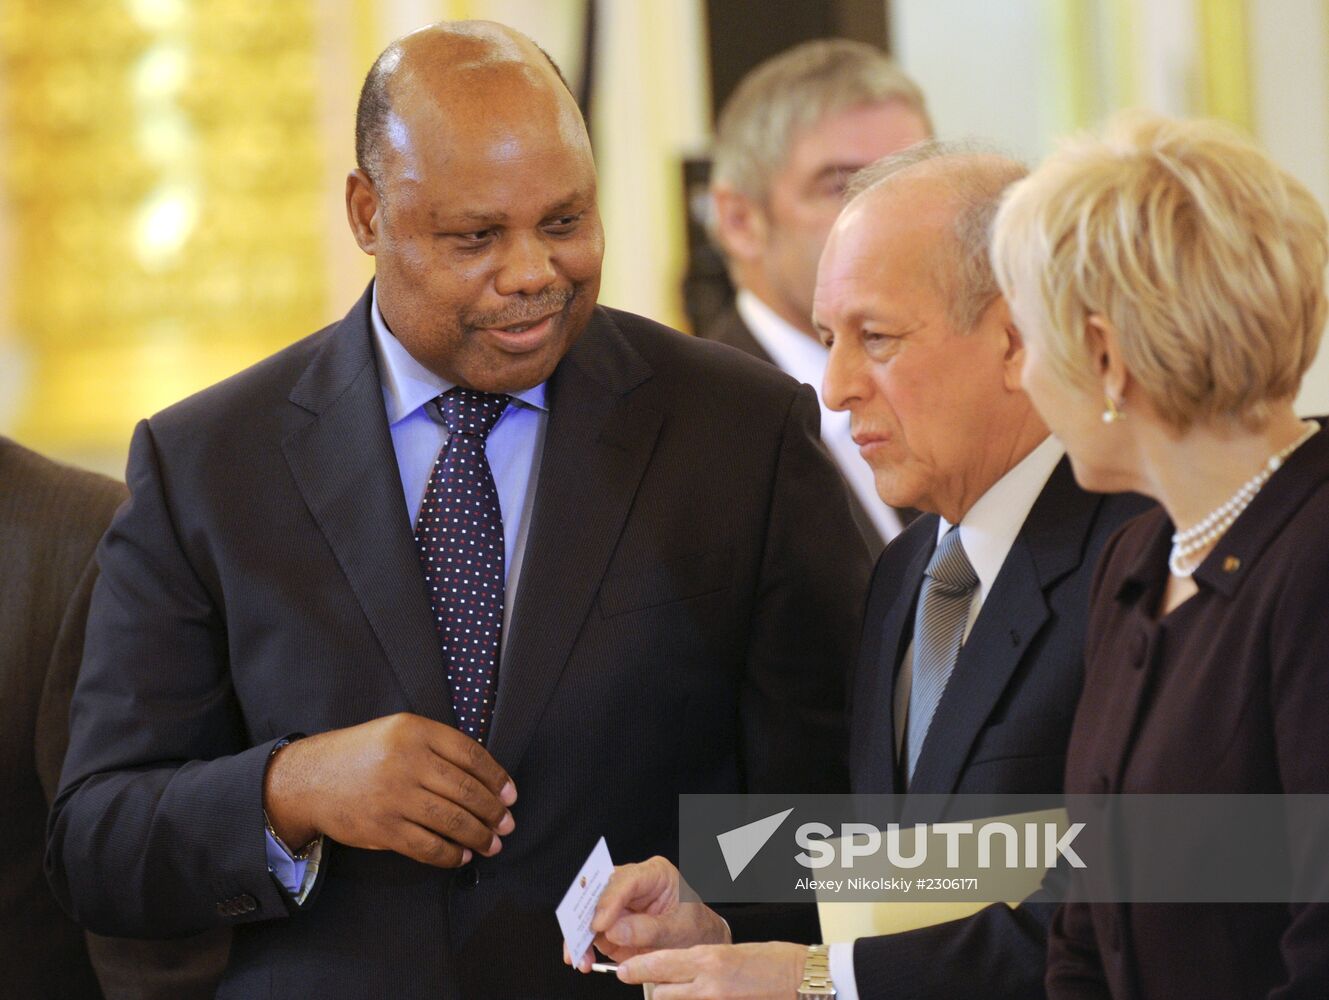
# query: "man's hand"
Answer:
x=640 y=911
x=771 y=970
x=401 y=783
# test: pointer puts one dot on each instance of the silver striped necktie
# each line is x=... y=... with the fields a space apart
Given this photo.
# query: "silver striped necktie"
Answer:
x=943 y=612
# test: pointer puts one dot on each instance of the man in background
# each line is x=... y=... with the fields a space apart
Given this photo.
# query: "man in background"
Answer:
x=971 y=661
x=787 y=140
x=51 y=518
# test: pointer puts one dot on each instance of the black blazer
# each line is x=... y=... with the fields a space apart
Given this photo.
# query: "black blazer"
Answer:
x=681 y=626
x=728 y=328
x=1001 y=726
x=1228 y=693
x=51 y=518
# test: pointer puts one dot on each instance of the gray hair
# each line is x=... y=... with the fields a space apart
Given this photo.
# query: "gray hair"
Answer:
x=977 y=175
x=792 y=91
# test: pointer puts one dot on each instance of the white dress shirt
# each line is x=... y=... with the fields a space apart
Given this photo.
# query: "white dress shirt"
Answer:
x=804 y=358
x=987 y=533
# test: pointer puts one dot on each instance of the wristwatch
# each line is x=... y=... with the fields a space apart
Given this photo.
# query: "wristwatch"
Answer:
x=306 y=852
x=816 y=974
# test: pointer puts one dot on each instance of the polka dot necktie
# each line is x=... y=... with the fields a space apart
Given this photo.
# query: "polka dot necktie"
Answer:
x=460 y=537
x=943 y=613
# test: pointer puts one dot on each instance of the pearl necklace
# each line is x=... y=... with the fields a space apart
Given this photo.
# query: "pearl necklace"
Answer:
x=1215 y=524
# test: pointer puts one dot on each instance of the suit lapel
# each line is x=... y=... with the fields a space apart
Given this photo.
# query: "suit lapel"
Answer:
x=1050 y=544
x=875 y=755
x=345 y=467
x=729 y=328
x=596 y=448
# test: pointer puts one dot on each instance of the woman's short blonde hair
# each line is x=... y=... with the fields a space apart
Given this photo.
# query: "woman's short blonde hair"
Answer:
x=1207 y=258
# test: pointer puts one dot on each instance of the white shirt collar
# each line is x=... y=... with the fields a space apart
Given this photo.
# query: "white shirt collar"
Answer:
x=990 y=527
x=790 y=348
x=409 y=385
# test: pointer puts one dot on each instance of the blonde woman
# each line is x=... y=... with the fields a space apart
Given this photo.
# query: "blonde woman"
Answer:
x=1168 y=279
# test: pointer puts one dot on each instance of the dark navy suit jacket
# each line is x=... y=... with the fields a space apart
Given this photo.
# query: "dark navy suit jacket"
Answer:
x=690 y=597
x=1001 y=727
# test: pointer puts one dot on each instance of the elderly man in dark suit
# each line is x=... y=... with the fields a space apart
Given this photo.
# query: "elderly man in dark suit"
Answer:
x=399 y=622
x=786 y=142
x=970 y=665
x=51 y=518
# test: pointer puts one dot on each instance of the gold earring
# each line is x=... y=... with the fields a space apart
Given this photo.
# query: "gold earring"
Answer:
x=1111 y=413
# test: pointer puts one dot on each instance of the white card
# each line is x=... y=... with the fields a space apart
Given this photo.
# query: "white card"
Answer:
x=578 y=907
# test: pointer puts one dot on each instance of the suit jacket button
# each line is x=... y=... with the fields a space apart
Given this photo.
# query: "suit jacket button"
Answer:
x=468 y=876
x=248 y=904
x=223 y=908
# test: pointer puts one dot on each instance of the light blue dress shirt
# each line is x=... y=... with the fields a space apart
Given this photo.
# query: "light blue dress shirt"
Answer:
x=513 y=448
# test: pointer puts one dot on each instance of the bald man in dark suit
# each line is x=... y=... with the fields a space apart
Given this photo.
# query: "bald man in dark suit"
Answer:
x=400 y=621
x=971 y=661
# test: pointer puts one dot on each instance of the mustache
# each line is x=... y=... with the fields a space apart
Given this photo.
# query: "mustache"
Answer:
x=526 y=310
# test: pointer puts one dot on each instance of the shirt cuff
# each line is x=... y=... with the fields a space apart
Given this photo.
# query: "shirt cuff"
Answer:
x=841 y=958
x=296 y=875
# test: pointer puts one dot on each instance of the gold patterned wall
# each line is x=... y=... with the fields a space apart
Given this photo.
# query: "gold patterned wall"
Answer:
x=172 y=179
x=162 y=177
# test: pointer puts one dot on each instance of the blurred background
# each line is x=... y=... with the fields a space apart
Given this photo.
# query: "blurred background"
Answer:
x=171 y=171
